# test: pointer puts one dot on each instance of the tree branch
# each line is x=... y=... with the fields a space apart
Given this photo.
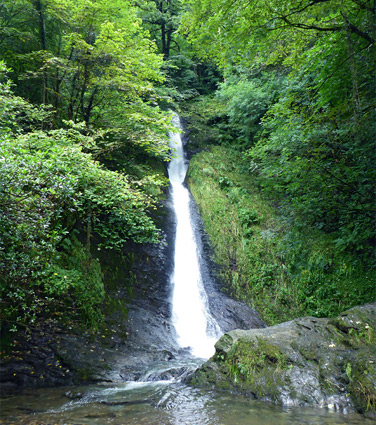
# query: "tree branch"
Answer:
x=352 y=28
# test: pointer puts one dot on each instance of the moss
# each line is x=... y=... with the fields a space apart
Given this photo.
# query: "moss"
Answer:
x=327 y=385
x=353 y=332
x=309 y=354
x=257 y=366
x=115 y=305
x=83 y=375
x=331 y=381
x=209 y=375
x=364 y=335
x=362 y=388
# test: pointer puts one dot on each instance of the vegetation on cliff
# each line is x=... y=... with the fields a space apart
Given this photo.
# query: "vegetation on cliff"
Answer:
x=283 y=267
x=82 y=144
x=294 y=176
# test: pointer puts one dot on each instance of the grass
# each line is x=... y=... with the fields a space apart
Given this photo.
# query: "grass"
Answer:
x=282 y=268
x=257 y=366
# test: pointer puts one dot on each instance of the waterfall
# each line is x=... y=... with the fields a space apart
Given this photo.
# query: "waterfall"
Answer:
x=194 y=325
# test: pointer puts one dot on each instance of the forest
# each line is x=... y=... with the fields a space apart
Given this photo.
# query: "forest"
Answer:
x=278 y=98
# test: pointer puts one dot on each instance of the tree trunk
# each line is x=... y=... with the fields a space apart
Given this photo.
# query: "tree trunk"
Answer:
x=42 y=36
x=42 y=28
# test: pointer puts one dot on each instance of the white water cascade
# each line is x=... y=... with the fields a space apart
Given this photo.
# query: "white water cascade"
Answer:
x=194 y=325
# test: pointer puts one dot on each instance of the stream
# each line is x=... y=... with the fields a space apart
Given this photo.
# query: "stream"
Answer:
x=154 y=393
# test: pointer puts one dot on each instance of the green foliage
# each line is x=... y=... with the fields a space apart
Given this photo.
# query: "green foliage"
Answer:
x=248 y=217
x=248 y=358
x=186 y=76
x=49 y=188
x=285 y=269
x=314 y=129
x=246 y=99
x=69 y=284
x=361 y=375
x=255 y=32
x=92 y=62
x=322 y=171
x=224 y=182
x=299 y=100
x=162 y=19
x=92 y=68
x=244 y=231
x=201 y=117
x=256 y=366
x=57 y=184
x=74 y=278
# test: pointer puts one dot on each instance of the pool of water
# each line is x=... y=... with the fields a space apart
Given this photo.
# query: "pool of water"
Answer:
x=156 y=403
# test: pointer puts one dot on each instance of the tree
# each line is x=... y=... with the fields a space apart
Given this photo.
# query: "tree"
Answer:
x=162 y=18
x=90 y=59
x=50 y=188
x=275 y=30
x=315 y=147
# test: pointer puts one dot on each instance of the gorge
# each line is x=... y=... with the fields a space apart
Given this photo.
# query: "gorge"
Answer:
x=143 y=380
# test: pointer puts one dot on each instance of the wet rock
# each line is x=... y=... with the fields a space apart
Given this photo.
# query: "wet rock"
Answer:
x=125 y=402
x=53 y=356
x=232 y=314
x=308 y=361
x=104 y=416
x=74 y=395
x=166 y=375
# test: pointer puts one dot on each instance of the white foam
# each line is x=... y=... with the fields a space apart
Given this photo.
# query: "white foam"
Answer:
x=195 y=327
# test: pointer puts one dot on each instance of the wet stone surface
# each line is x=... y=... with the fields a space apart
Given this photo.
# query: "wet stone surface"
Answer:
x=54 y=354
x=304 y=362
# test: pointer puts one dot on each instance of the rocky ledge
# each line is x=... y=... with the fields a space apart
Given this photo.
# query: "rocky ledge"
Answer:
x=305 y=362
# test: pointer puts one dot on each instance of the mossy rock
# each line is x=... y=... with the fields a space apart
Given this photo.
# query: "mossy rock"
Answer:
x=307 y=361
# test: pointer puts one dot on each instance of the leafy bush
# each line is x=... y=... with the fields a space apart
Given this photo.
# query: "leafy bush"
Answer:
x=224 y=182
x=74 y=278
x=49 y=186
x=247 y=99
x=248 y=217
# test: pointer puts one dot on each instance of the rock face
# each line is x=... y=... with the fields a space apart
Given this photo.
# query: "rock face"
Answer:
x=137 y=331
x=137 y=326
x=307 y=361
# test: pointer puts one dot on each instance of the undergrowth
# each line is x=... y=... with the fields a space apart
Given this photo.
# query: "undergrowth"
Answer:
x=283 y=268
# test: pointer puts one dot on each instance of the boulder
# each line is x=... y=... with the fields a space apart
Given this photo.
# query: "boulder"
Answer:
x=305 y=362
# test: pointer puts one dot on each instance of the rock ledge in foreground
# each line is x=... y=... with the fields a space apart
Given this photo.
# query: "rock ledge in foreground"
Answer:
x=307 y=361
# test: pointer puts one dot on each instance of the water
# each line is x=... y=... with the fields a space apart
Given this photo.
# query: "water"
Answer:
x=195 y=327
x=157 y=403
x=152 y=400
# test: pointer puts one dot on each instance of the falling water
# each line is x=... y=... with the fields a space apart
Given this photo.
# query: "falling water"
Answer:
x=195 y=327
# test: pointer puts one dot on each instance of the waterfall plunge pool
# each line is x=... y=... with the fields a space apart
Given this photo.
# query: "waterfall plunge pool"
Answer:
x=157 y=403
x=149 y=400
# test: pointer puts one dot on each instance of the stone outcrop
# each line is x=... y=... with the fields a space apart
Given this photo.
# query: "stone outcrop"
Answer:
x=307 y=361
